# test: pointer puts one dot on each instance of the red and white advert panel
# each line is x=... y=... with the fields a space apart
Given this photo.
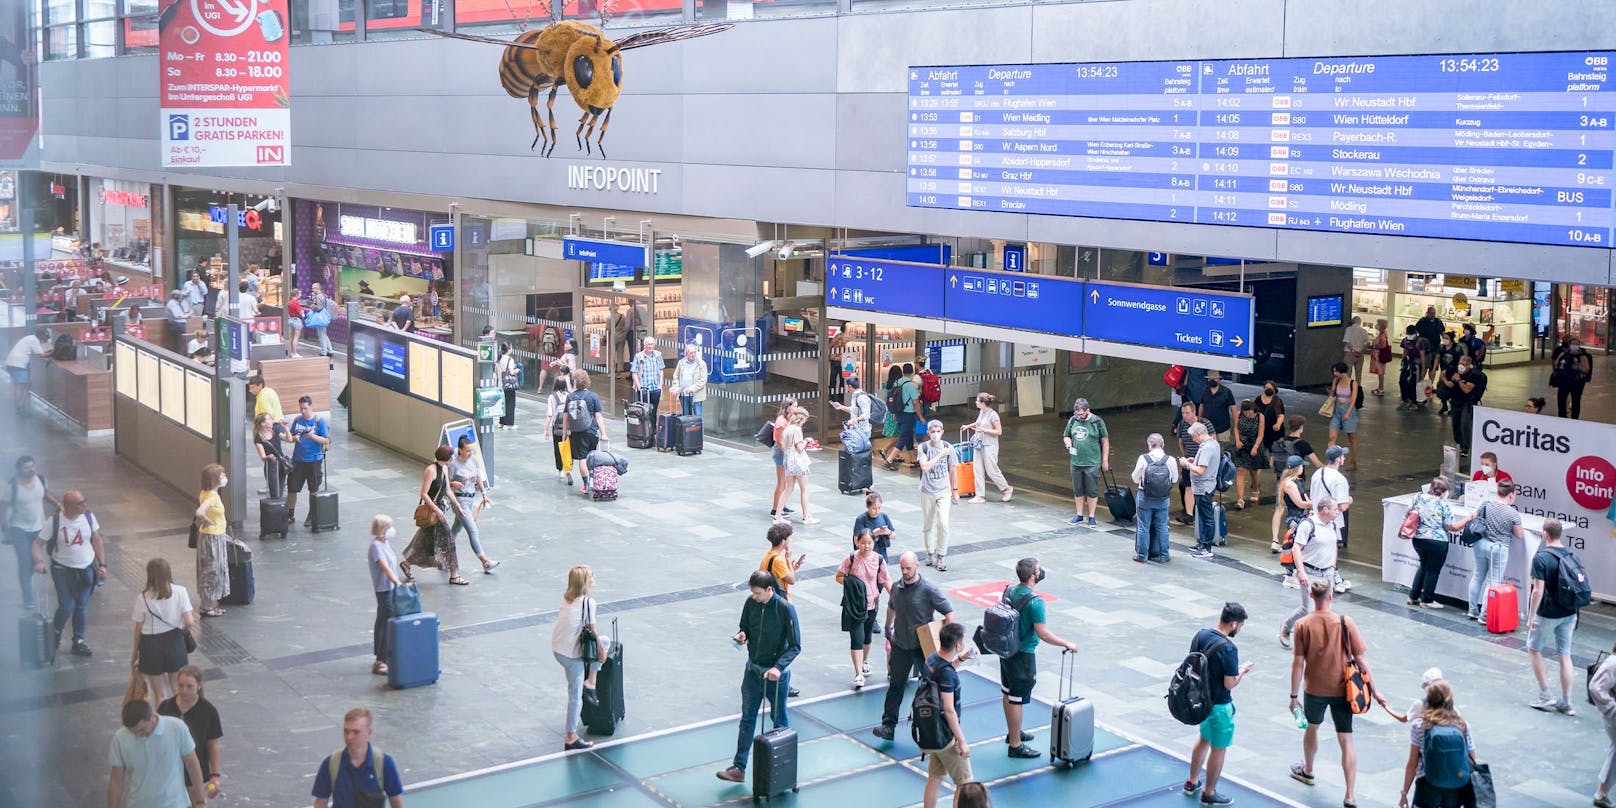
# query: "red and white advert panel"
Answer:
x=224 y=83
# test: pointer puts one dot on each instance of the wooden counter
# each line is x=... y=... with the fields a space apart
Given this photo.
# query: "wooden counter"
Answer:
x=304 y=376
x=78 y=390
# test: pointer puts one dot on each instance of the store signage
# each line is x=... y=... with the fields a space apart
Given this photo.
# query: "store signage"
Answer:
x=248 y=219
x=1169 y=317
x=19 y=111
x=1015 y=300
x=377 y=229
x=614 y=178
x=126 y=199
x=1564 y=471
x=224 y=89
x=619 y=253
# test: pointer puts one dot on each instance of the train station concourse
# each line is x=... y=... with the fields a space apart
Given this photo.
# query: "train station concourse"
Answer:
x=510 y=384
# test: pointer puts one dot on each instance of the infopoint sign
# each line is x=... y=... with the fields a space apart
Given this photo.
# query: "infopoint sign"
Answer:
x=1563 y=471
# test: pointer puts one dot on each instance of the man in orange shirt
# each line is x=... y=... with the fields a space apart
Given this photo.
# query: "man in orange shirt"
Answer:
x=1320 y=656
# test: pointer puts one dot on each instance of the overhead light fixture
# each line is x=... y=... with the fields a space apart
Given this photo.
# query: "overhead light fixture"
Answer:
x=759 y=248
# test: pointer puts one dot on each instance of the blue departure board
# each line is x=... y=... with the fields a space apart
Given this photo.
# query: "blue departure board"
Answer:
x=1511 y=147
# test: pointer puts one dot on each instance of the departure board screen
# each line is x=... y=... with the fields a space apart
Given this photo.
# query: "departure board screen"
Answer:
x=1511 y=147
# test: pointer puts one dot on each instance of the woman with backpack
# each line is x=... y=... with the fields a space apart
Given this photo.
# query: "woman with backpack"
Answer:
x=891 y=428
x=1441 y=755
x=987 y=429
x=863 y=576
x=1291 y=504
x=1249 y=457
x=556 y=423
x=1430 y=536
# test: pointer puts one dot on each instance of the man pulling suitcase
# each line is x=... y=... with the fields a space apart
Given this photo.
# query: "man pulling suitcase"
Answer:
x=772 y=639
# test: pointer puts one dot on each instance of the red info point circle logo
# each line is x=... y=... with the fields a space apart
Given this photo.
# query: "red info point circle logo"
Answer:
x=1591 y=481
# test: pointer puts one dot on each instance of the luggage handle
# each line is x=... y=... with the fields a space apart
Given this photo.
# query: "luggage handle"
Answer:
x=1067 y=686
x=765 y=708
x=1108 y=478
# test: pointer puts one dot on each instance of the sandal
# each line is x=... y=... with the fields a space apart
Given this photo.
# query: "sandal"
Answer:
x=459 y=581
x=1240 y=505
x=213 y=613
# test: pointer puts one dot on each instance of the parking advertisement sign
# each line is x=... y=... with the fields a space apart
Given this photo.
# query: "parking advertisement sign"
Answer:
x=223 y=74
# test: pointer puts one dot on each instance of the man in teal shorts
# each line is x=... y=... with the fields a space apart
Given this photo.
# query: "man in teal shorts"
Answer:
x=1223 y=673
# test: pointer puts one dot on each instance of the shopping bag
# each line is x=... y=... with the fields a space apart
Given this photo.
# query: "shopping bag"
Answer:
x=1481 y=779
x=406 y=599
x=565 y=448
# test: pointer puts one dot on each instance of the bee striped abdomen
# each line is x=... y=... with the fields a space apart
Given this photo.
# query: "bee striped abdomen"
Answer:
x=519 y=69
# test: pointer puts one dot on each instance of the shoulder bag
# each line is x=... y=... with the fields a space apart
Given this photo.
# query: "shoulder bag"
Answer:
x=1411 y=521
x=190 y=641
x=404 y=599
x=425 y=514
x=1360 y=690
x=588 y=644
x=1328 y=409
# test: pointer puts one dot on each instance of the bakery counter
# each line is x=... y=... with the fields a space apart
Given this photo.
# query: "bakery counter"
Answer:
x=79 y=390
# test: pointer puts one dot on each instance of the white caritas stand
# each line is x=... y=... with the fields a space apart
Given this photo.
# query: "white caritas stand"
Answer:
x=1399 y=562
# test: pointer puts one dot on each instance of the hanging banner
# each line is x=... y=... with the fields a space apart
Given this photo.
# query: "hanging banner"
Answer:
x=1564 y=471
x=224 y=84
x=19 y=113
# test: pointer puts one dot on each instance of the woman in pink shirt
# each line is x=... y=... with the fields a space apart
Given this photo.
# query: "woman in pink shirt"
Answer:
x=868 y=566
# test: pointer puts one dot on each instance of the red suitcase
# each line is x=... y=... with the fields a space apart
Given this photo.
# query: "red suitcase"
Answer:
x=1503 y=612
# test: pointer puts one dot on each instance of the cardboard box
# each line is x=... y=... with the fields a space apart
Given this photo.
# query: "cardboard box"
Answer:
x=928 y=635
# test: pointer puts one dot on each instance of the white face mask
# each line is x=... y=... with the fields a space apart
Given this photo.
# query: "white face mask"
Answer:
x=1487 y=470
x=224 y=481
x=389 y=534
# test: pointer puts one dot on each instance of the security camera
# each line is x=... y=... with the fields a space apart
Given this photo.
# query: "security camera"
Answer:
x=759 y=248
x=786 y=250
x=269 y=205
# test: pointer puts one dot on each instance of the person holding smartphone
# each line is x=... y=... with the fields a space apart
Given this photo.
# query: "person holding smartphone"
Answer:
x=778 y=563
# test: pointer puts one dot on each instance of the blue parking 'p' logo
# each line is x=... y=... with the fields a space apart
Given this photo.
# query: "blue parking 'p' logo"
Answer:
x=179 y=127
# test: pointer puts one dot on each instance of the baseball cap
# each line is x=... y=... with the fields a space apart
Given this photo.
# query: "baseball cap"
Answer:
x=1430 y=675
x=1294 y=462
x=1334 y=453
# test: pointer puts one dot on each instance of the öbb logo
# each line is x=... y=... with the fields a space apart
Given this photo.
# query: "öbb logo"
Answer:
x=1591 y=481
x=271 y=155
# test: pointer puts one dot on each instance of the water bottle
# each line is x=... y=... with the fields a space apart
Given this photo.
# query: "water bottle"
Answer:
x=1301 y=717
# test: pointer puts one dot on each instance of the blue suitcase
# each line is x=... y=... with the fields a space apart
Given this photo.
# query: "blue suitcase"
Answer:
x=412 y=650
x=1220 y=523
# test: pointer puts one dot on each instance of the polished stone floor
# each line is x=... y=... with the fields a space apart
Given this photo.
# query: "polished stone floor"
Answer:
x=671 y=556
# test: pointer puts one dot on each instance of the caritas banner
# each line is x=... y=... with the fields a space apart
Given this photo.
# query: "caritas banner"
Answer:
x=1564 y=471
x=224 y=85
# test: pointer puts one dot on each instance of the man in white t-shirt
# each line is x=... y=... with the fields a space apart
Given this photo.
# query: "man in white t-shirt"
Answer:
x=1331 y=482
x=25 y=499
x=151 y=756
x=75 y=562
x=246 y=302
x=857 y=408
x=22 y=352
x=1316 y=556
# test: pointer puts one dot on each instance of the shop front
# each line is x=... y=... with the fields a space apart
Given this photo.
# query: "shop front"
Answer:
x=1584 y=312
x=373 y=257
x=200 y=241
x=1501 y=310
x=125 y=228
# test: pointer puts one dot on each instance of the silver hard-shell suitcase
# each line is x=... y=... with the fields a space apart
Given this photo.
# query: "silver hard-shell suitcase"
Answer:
x=1071 y=726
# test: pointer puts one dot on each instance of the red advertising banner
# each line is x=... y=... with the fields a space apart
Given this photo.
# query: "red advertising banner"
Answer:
x=19 y=113
x=224 y=83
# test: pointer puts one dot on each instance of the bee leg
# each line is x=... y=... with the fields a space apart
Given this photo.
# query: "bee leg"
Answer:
x=590 y=133
x=533 y=109
x=580 y=133
x=550 y=107
x=600 y=142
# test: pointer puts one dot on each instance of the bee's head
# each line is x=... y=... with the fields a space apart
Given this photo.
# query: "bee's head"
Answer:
x=594 y=72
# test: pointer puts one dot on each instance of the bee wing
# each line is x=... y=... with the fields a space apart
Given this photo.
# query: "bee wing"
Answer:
x=665 y=35
x=504 y=43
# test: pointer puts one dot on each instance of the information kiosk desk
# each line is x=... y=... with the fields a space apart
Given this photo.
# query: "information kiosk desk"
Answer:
x=1398 y=561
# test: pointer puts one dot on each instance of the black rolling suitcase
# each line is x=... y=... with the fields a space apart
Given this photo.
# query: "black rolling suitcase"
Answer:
x=36 y=637
x=667 y=431
x=687 y=434
x=325 y=505
x=853 y=473
x=272 y=517
x=602 y=714
x=641 y=420
x=774 y=759
x=1119 y=499
x=243 y=587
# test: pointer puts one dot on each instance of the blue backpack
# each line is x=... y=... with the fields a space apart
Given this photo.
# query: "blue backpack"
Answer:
x=1447 y=757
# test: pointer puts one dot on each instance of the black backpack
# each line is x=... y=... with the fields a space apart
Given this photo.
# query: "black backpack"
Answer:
x=1279 y=454
x=928 y=724
x=1158 y=479
x=1571 y=590
x=1189 y=695
x=1481 y=386
x=1000 y=632
x=64 y=348
x=895 y=396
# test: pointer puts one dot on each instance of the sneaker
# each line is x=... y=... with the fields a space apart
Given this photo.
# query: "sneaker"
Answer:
x=883 y=732
x=1161 y=560
x=1021 y=750
x=1342 y=586
x=787 y=511
x=810 y=521
x=80 y=649
x=1472 y=616
x=733 y=774
x=930 y=559
x=1291 y=582
x=866 y=668
x=1544 y=703
x=1273 y=547
x=1191 y=786
x=1603 y=802
x=1092 y=523
x=1025 y=737
x=1432 y=605
x=1284 y=639
x=1564 y=708
x=581 y=744
x=1215 y=799
x=1201 y=552
x=941 y=566
x=1076 y=520
x=858 y=682
x=1301 y=775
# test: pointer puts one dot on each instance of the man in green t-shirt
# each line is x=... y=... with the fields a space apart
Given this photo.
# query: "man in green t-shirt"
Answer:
x=1089 y=445
x=1018 y=674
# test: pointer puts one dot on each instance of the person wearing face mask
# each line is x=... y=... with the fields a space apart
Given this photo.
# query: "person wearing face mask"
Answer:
x=1447 y=364
x=383 y=564
x=1573 y=369
x=212 y=544
x=938 y=492
x=1488 y=469
x=1466 y=385
x=1018 y=674
x=1271 y=409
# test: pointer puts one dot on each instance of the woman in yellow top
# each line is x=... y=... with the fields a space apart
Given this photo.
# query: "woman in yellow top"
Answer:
x=212 y=545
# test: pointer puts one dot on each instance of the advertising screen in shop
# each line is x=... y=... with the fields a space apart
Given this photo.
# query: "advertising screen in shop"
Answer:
x=1511 y=147
x=223 y=71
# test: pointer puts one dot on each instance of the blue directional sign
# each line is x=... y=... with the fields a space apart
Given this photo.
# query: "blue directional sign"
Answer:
x=887 y=286
x=1015 y=258
x=443 y=237
x=1015 y=300
x=620 y=253
x=914 y=253
x=1169 y=317
x=237 y=337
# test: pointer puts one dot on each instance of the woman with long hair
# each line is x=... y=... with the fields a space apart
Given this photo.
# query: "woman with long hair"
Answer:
x=1290 y=500
x=782 y=419
x=163 y=616
x=972 y=795
x=556 y=424
x=1436 y=521
x=1249 y=456
x=892 y=427
x=577 y=615
x=1380 y=356
x=212 y=543
x=1439 y=782
x=202 y=719
x=433 y=545
x=268 y=445
x=1345 y=390
x=986 y=429
x=796 y=467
